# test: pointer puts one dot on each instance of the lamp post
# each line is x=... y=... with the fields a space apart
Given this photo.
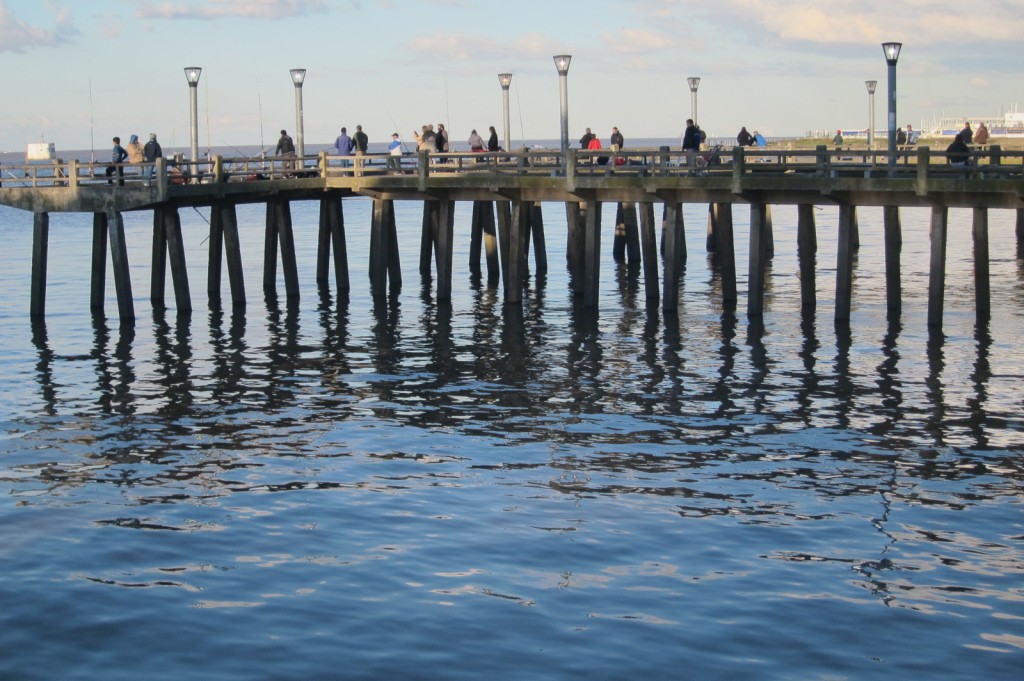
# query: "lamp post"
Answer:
x=298 y=75
x=562 y=64
x=871 y=84
x=505 y=79
x=693 y=82
x=192 y=74
x=892 y=54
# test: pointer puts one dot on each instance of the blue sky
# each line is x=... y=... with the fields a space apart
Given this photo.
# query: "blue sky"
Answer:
x=78 y=72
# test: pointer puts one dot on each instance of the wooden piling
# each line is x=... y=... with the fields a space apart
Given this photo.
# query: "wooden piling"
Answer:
x=893 y=250
x=982 y=294
x=575 y=217
x=175 y=252
x=224 y=244
x=40 y=247
x=279 y=233
x=385 y=267
x=443 y=247
x=844 y=265
x=331 y=242
x=807 y=250
x=592 y=255
x=671 y=218
x=540 y=249
x=98 y=283
x=119 y=263
x=511 y=231
x=757 y=256
x=937 y=269
x=725 y=247
x=649 y=246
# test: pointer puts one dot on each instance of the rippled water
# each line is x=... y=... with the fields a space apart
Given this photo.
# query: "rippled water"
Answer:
x=411 y=489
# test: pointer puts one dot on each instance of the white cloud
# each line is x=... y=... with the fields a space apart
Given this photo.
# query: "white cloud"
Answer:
x=18 y=36
x=236 y=9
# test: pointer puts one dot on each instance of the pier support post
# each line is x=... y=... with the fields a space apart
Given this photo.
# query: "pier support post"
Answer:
x=769 y=233
x=672 y=230
x=844 y=264
x=680 y=234
x=893 y=250
x=937 y=269
x=483 y=234
x=40 y=248
x=224 y=242
x=1020 y=233
x=592 y=255
x=279 y=232
x=119 y=263
x=536 y=226
x=619 y=239
x=982 y=293
x=443 y=247
x=331 y=241
x=649 y=246
x=627 y=235
x=512 y=234
x=98 y=282
x=726 y=255
x=167 y=241
x=807 y=250
x=575 y=218
x=711 y=242
x=428 y=230
x=758 y=255
x=384 y=257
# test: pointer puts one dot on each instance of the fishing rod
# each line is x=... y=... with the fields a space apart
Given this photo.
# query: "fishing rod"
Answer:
x=397 y=129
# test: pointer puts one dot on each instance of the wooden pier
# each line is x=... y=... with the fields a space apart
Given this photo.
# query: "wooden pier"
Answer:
x=507 y=190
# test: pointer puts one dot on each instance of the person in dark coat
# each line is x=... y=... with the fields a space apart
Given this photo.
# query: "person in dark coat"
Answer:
x=744 y=139
x=958 y=152
x=492 y=141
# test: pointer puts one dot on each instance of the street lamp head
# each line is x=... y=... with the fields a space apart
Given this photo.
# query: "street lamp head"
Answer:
x=871 y=86
x=562 y=63
x=505 y=79
x=892 y=52
x=192 y=75
x=693 y=82
x=298 y=75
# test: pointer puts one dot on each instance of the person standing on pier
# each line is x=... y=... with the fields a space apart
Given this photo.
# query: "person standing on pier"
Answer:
x=118 y=156
x=441 y=140
x=343 y=146
x=286 y=149
x=361 y=143
x=837 y=141
x=981 y=135
x=585 y=140
x=691 y=141
x=151 y=152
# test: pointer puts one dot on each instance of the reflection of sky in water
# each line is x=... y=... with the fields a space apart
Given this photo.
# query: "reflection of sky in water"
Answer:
x=413 y=488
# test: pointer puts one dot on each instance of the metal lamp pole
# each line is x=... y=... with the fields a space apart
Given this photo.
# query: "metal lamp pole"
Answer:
x=505 y=79
x=299 y=75
x=892 y=54
x=693 y=82
x=562 y=64
x=192 y=74
x=871 y=84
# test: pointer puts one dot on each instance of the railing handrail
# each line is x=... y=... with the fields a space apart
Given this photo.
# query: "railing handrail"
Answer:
x=992 y=162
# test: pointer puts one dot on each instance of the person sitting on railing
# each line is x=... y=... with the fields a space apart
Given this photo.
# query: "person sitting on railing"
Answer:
x=492 y=141
x=957 y=153
x=744 y=139
x=136 y=154
x=594 y=144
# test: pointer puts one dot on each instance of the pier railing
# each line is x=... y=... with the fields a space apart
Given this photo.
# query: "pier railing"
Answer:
x=990 y=163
